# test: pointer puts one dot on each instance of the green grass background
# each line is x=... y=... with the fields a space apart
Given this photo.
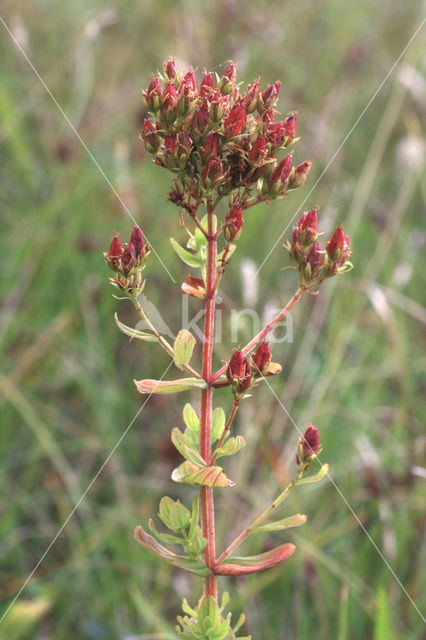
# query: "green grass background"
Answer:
x=354 y=367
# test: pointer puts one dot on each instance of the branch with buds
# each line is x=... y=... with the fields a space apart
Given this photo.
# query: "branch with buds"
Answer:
x=222 y=146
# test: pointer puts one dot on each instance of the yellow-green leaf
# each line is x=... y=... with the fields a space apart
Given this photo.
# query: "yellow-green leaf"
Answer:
x=189 y=473
x=183 y=348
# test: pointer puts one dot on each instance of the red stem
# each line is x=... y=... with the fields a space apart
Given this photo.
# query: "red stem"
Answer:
x=206 y=493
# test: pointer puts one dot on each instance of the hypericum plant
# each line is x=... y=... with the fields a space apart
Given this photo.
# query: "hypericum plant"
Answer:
x=222 y=146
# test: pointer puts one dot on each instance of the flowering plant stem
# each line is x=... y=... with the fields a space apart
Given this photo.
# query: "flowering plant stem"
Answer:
x=222 y=146
x=206 y=493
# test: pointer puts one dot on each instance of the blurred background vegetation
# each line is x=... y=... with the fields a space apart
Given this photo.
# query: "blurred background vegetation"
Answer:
x=354 y=367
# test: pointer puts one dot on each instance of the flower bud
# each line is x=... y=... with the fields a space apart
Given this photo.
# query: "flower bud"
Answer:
x=114 y=254
x=280 y=175
x=257 y=153
x=189 y=80
x=252 y=96
x=308 y=227
x=238 y=372
x=275 y=133
x=235 y=122
x=187 y=100
x=168 y=108
x=308 y=445
x=233 y=223
x=338 y=250
x=313 y=262
x=227 y=81
x=150 y=136
x=215 y=108
x=290 y=124
x=137 y=241
x=128 y=259
x=198 y=125
x=210 y=147
x=300 y=174
x=170 y=68
x=207 y=85
x=261 y=359
x=269 y=97
x=152 y=96
x=212 y=172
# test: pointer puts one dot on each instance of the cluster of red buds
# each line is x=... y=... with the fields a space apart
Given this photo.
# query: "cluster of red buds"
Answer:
x=127 y=262
x=242 y=373
x=314 y=264
x=308 y=446
x=216 y=137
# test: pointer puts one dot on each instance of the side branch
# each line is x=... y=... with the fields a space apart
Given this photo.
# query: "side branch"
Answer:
x=264 y=332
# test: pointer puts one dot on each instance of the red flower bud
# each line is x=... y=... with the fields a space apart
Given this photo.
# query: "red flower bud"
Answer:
x=198 y=125
x=238 y=372
x=290 y=124
x=189 y=81
x=114 y=254
x=261 y=359
x=227 y=81
x=153 y=96
x=275 y=133
x=269 y=97
x=235 y=368
x=170 y=144
x=115 y=250
x=128 y=259
x=233 y=223
x=252 y=96
x=313 y=261
x=150 y=136
x=212 y=172
x=280 y=174
x=310 y=443
x=211 y=146
x=300 y=174
x=308 y=226
x=236 y=120
x=136 y=240
x=207 y=85
x=338 y=249
x=170 y=68
x=257 y=153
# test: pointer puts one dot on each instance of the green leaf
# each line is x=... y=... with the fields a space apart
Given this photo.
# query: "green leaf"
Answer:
x=208 y=610
x=189 y=473
x=187 y=257
x=183 y=348
x=279 y=525
x=174 y=514
x=168 y=538
x=218 y=423
x=231 y=446
x=316 y=478
x=134 y=333
x=189 y=564
x=197 y=240
x=181 y=444
x=190 y=418
x=169 y=386
x=194 y=517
